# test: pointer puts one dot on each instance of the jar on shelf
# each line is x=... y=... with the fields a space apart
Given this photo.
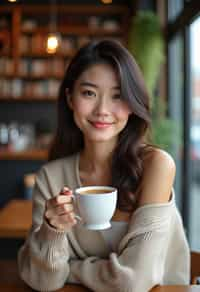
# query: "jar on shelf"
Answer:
x=3 y=136
x=29 y=182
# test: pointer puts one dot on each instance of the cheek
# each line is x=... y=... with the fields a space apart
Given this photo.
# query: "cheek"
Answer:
x=81 y=108
x=78 y=105
x=122 y=112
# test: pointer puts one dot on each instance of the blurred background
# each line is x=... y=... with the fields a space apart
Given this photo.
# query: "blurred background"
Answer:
x=37 y=40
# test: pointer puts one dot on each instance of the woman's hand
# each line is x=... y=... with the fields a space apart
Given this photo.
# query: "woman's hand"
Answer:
x=59 y=211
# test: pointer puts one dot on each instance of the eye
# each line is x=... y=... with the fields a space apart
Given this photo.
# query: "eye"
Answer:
x=88 y=93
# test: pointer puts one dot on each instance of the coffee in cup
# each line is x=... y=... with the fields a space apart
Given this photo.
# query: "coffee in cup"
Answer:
x=94 y=191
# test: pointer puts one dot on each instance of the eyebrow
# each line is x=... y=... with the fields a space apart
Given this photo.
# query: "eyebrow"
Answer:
x=94 y=85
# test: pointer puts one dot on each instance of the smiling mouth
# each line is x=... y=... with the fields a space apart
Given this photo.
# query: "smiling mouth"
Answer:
x=100 y=125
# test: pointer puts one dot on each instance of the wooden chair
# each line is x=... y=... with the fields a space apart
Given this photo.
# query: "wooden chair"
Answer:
x=195 y=267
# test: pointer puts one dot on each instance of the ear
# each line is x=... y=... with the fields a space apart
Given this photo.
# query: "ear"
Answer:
x=69 y=99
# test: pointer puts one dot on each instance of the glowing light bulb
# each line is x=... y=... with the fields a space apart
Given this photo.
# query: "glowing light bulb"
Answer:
x=12 y=0
x=52 y=43
x=107 y=1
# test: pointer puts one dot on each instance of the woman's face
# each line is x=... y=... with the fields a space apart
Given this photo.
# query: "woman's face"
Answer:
x=98 y=110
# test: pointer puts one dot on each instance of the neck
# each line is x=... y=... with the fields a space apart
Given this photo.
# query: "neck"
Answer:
x=96 y=158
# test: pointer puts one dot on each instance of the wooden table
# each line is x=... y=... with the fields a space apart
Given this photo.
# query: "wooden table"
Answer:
x=77 y=288
x=24 y=288
x=10 y=282
x=15 y=219
x=192 y=288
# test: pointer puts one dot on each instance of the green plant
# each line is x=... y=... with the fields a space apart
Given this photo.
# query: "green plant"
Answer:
x=146 y=43
x=165 y=132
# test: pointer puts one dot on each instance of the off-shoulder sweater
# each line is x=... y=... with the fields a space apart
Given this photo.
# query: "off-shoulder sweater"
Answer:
x=153 y=251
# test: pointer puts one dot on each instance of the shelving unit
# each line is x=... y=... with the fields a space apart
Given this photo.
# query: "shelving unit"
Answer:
x=27 y=72
x=32 y=154
x=27 y=67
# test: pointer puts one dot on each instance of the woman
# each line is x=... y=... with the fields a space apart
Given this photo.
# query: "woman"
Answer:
x=103 y=119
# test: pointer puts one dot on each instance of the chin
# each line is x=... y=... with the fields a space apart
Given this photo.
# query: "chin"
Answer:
x=101 y=139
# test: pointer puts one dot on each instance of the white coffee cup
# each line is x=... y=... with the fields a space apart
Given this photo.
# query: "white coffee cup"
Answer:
x=96 y=206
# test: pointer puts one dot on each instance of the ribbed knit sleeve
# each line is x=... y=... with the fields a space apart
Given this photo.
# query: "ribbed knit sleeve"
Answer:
x=140 y=262
x=43 y=259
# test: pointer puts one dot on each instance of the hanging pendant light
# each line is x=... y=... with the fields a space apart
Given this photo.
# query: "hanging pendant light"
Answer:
x=106 y=1
x=53 y=39
x=52 y=43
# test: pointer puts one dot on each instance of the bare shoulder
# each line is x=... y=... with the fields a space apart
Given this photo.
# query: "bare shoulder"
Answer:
x=158 y=177
x=159 y=158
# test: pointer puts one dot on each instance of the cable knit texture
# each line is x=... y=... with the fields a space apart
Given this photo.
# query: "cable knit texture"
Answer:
x=153 y=251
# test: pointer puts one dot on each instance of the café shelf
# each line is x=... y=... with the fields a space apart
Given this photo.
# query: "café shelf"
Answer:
x=29 y=76
x=24 y=29
x=79 y=30
x=28 y=99
x=32 y=154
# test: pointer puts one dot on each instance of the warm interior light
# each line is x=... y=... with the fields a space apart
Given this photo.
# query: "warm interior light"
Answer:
x=107 y=1
x=52 y=43
x=12 y=0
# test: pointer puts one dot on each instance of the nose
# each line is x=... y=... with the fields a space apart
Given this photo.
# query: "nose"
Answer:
x=102 y=106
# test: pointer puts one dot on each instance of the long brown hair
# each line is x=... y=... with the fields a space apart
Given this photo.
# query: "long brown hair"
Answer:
x=127 y=162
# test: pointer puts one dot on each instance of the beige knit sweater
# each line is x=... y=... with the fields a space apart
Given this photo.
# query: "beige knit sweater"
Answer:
x=154 y=250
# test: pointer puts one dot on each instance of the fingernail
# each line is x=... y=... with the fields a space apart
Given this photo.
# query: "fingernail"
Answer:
x=78 y=217
x=66 y=189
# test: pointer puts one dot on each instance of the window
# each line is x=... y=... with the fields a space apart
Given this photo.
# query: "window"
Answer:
x=174 y=8
x=184 y=108
x=195 y=135
x=176 y=78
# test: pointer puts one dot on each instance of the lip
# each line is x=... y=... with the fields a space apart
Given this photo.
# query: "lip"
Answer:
x=100 y=125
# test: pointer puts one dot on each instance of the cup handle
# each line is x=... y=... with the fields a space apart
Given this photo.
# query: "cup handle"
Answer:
x=76 y=215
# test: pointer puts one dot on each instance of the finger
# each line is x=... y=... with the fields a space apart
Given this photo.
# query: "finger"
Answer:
x=66 y=191
x=63 y=199
x=60 y=199
x=64 y=209
x=68 y=218
x=57 y=210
